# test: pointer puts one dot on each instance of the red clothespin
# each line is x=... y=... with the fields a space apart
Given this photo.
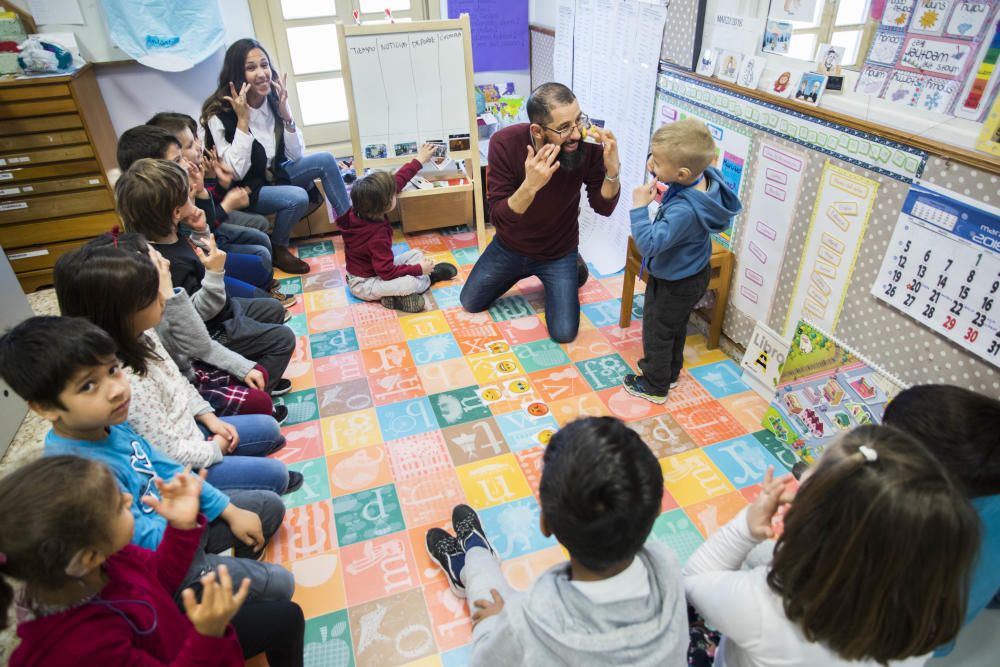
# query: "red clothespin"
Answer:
x=388 y=15
x=357 y=17
x=114 y=234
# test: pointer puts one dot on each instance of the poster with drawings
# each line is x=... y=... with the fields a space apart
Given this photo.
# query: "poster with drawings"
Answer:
x=936 y=43
x=942 y=268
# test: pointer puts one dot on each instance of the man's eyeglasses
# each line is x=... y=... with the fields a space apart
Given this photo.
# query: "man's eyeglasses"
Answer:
x=582 y=123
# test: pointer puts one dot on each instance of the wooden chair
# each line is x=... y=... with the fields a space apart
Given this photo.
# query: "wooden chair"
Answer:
x=722 y=275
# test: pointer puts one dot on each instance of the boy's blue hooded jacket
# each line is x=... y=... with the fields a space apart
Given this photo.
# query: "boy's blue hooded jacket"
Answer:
x=677 y=243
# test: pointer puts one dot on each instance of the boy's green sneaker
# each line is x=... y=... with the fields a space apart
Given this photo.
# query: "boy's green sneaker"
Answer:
x=636 y=385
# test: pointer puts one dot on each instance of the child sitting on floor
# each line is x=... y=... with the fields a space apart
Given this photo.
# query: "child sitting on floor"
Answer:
x=677 y=247
x=90 y=597
x=373 y=274
x=67 y=370
x=152 y=199
x=960 y=429
x=871 y=568
x=619 y=600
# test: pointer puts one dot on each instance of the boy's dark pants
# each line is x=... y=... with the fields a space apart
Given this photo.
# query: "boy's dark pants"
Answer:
x=665 y=315
x=256 y=331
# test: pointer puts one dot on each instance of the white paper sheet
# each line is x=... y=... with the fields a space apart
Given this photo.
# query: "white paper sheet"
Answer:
x=562 y=55
x=59 y=12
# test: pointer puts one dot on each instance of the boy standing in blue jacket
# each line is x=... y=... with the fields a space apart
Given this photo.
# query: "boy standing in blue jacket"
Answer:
x=677 y=246
x=68 y=372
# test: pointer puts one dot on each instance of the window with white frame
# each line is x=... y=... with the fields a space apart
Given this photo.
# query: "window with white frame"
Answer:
x=841 y=23
x=301 y=36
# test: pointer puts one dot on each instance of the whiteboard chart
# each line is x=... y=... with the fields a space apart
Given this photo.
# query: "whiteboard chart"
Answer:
x=409 y=88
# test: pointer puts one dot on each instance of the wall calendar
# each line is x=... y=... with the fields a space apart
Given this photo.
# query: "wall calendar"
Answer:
x=942 y=268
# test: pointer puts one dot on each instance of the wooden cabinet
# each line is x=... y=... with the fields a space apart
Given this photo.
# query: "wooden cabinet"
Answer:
x=57 y=146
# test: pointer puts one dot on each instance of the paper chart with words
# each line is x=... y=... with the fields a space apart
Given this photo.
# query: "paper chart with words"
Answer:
x=942 y=269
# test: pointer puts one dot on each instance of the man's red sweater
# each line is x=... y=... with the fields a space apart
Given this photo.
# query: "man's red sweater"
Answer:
x=550 y=228
x=368 y=243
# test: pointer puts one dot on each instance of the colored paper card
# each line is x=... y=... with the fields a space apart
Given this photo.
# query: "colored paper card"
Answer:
x=765 y=228
x=969 y=19
x=762 y=361
x=885 y=47
x=975 y=97
x=930 y=16
x=935 y=55
x=872 y=80
x=989 y=136
x=897 y=13
x=839 y=219
x=499 y=33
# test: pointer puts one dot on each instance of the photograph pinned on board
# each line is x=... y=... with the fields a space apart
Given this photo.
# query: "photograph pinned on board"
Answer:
x=729 y=65
x=376 y=152
x=829 y=61
x=782 y=84
x=793 y=10
x=707 y=62
x=405 y=148
x=810 y=88
x=777 y=37
x=751 y=71
x=458 y=142
x=440 y=148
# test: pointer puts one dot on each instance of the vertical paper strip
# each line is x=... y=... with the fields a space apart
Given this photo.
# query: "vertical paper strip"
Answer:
x=764 y=228
x=838 y=223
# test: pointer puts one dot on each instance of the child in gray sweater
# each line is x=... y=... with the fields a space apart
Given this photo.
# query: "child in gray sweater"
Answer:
x=618 y=601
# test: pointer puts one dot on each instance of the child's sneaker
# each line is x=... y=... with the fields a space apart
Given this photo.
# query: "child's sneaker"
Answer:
x=636 y=385
x=282 y=387
x=449 y=555
x=469 y=530
x=443 y=271
x=411 y=303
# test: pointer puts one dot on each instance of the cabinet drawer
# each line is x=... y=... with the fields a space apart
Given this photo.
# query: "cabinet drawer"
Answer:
x=57 y=231
x=54 y=206
x=42 y=140
x=34 y=280
x=41 y=124
x=37 y=108
x=34 y=188
x=23 y=174
x=33 y=92
x=40 y=257
x=45 y=155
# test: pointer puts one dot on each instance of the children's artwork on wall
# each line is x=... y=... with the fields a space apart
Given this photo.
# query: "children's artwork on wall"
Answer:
x=929 y=16
x=942 y=268
x=989 y=137
x=777 y=37
x=969 y=19
x=782 y=84
x=839 y=218
x=981 y=86
x=793 y=10
x=885 y=47
x=897 y=13
x=872 y=80
x=729 y=65
x=707 y=61
x=825 y=388
x=810 y=88
x=751 y=71
x=829 y=59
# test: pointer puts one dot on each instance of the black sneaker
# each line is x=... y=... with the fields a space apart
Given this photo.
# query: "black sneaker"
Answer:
x=295 y=480
x=469 y=530
x=450 y=557
x=280 y=413
x=283 y=387
x=411 y=303
x=636 y=385
x=443 y=271
x=582 y=272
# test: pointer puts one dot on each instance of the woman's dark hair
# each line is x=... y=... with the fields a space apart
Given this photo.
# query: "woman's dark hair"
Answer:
x=601 y=491
x=960 y=427
x=234 y=70
x=108 y=284
x=371 y=195
x=52 y=508
x=875 y=557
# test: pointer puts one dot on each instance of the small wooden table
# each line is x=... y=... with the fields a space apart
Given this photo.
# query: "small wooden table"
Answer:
x=722 y=275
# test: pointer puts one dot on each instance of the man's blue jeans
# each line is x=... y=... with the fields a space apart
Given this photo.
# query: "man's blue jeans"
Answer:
x=290 y=202
x=499 y=268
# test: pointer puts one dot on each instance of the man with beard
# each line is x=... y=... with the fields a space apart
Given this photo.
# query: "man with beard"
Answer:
x=533 y=181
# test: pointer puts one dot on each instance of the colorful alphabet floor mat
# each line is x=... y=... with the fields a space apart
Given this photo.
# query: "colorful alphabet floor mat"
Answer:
x=396 y=418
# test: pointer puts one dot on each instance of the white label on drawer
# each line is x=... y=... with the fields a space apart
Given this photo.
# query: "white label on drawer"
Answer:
x=13 y=206
x=25 y=255
x=9 y=191
x=5 y=175
x=18 y=160
x=94 y=181
x=27 y=188
x=2 y=162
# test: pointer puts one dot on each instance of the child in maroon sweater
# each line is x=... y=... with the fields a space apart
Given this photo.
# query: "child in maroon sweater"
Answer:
x=90 y=597
x=373 y=273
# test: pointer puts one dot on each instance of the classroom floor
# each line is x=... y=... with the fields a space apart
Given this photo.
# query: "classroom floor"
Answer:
x=396 y=418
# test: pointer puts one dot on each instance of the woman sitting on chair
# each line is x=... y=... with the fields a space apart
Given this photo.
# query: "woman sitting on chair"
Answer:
x=249 y=122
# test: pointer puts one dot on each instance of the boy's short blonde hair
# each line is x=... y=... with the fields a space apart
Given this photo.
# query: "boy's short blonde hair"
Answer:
x=685 y=143
x=147 y=194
